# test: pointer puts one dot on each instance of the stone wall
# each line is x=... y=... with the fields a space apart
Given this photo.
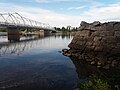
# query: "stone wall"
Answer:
x=98 y=36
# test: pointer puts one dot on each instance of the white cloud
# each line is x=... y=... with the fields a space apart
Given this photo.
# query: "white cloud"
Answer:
x=47 y=1
x=103 y=13
x=76 y=8
x=42 y=15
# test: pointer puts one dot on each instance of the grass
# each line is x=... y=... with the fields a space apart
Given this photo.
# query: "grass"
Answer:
x=94 y=83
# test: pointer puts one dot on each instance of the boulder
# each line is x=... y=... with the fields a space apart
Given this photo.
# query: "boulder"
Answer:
x=96 y=23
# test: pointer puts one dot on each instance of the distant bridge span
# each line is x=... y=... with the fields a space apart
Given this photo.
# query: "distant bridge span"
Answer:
x=14 y=23
x=16 y=20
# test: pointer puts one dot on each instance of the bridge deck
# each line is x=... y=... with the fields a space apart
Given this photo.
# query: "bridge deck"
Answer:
x=16 y=20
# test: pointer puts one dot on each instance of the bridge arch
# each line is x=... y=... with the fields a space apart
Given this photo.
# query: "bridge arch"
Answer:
x=15 y=19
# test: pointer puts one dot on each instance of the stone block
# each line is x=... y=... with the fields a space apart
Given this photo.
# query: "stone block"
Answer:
x=87 y=27
x=93 y=28
x=81 y=42
x=96 y=33
x=108 y=40
x=107 y=33
x=84 y=33
x=77 y=34
x=74 y=40
x=89 y=43
x=96 y=23
x=80 y=38
x=117 y=26
x=118 y=39
x=97 y=39
x=83 y=23
x=97 y=43
x=118 y=44
x=110 y=33
x=103 y=27
x=117 y=33
x=103 y=33
x=91 y=47
x=98 y=49
x=109 y=26
x=97 y=28
x=81 y=28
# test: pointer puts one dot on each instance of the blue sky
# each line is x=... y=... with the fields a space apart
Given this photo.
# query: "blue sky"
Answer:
x=64 y=12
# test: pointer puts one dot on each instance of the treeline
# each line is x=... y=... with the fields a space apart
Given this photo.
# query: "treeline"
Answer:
x=66 y=29
x=3 y=30
x=62 y=29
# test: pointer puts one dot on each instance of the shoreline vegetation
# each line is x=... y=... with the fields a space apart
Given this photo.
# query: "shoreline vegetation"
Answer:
x=63 y=30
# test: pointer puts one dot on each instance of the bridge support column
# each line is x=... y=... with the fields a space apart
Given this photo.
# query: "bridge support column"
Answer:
x=46 y=32
x=13 y=34
x=41 y=33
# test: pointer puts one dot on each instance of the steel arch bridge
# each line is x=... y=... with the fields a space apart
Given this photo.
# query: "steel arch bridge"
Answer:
x=16 y=20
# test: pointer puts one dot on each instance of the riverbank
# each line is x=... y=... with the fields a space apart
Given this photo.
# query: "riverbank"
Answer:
x=98 y=45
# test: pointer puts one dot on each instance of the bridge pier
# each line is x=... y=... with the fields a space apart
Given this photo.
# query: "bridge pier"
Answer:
x=46 y=32
x=13 y=34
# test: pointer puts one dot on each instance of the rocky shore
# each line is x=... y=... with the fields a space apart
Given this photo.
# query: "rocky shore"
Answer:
x=95 y=51
x=97 y=43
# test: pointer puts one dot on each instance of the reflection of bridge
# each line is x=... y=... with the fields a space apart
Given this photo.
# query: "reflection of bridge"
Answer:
x=14 y=23
x=18 y=47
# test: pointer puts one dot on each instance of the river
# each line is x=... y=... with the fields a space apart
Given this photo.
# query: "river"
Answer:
x=35 y=63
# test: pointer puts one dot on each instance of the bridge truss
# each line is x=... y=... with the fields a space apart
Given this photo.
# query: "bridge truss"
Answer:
x=15 y=19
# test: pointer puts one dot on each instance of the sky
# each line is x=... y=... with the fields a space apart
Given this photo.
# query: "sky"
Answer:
x=60 y=13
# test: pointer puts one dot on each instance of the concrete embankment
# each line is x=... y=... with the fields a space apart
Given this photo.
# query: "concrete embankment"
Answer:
x=97 y=43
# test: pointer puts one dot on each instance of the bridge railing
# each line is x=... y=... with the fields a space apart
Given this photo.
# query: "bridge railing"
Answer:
x=15 y=19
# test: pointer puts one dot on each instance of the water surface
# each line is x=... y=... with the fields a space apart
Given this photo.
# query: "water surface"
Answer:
x=35 y=64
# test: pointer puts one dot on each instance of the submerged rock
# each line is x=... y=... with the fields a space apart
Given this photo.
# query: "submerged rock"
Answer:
x=65 y=50
x=60 y=51
x=93 y=62
x=107 y=66
x=114 y=63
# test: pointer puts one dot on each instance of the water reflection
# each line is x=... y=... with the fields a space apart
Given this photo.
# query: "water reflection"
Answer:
x=86 y=71
x=18 y=47
x=39 y=66
x=13 y=38
x=25 y=43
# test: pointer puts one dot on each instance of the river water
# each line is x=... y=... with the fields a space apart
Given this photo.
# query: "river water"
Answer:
x=34 y=63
